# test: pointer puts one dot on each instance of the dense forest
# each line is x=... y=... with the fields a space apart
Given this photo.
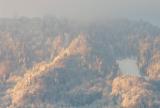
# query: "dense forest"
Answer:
x=55 y=63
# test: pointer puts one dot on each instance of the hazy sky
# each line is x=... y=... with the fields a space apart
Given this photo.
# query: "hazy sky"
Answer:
x=85 y=10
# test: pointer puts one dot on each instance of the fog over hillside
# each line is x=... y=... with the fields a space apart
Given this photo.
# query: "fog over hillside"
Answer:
x=55 y=63
x=79 y=54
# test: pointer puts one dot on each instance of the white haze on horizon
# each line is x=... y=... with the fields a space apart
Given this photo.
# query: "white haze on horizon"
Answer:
x=84 y=10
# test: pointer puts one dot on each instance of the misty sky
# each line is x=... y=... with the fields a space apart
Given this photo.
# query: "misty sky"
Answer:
x=84 y=10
